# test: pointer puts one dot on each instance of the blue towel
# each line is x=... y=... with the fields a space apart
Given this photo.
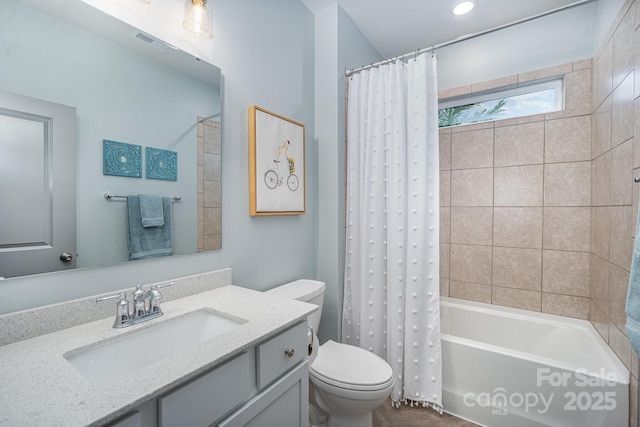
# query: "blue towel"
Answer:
x=149 y=242
x=632 y=307
x=151 y=210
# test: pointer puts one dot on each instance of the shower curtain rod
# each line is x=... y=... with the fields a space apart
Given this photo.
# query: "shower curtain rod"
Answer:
x=469 y=36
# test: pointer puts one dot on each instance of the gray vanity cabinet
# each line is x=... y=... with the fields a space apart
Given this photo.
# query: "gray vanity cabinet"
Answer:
x=267 y=385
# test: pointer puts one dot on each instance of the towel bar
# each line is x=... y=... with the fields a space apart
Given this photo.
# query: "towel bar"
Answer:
x=110 y=196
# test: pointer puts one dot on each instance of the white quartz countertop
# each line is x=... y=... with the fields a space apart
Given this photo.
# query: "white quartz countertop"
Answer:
x=38 y=386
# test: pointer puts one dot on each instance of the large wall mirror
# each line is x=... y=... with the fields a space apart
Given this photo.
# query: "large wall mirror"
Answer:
x=125 y=86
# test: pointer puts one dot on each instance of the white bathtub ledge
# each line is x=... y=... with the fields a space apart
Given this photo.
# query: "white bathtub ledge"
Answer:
x=504 y=367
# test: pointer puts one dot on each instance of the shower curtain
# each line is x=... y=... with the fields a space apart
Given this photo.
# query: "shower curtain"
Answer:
x=391 y=290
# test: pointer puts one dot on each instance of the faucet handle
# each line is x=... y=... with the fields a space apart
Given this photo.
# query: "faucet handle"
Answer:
x=122 y=308
x=121 y=296
x=156 y=296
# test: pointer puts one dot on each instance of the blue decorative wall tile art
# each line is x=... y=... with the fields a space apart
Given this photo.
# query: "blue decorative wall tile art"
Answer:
x=121 y=159
x=162 y=164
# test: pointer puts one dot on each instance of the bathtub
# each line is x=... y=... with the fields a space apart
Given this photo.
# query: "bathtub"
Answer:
x=508 y=367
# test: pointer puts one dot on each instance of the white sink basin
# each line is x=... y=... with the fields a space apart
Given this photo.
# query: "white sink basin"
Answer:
x=110 y=360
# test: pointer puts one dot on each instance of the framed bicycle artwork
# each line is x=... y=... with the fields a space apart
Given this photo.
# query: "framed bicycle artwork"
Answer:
x=276 y=164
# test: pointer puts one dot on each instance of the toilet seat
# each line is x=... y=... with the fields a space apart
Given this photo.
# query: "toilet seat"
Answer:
x=350 y=367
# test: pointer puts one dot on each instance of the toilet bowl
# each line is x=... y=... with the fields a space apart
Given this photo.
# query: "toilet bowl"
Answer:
x=346 y=382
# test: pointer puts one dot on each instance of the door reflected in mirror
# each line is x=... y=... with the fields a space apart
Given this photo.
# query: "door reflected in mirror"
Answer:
x=125 y=86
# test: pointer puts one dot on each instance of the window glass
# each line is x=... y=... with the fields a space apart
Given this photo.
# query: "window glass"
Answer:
x=535 y=98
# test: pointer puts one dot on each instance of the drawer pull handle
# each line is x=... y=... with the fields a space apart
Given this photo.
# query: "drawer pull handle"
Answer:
x=289 y=352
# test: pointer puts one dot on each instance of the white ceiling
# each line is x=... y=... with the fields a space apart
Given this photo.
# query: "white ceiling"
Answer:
x=396 y=27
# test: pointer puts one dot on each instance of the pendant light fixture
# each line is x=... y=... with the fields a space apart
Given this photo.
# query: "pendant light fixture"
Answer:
x=198 y=18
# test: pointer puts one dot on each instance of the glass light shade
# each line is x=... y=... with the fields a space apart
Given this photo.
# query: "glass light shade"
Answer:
x=142 y=1
x=198 y=18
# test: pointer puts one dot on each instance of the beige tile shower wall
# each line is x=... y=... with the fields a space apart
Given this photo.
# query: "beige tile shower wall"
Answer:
x=615 y=150
x=516 y=203
x=539 y=212
x=209 y=186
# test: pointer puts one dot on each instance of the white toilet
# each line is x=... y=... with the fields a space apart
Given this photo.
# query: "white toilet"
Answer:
x=346 y=382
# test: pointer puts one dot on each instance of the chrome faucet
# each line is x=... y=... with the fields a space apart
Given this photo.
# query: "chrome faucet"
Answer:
x=145 y=305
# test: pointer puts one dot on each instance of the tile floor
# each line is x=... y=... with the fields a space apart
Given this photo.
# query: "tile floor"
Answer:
x=406 y=416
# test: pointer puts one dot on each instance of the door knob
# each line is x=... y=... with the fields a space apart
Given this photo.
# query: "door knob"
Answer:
x=66 y=257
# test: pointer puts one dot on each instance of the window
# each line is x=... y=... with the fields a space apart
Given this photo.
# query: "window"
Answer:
x=524 y=100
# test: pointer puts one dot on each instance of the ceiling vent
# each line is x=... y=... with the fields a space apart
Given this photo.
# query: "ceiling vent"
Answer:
x=153 y=42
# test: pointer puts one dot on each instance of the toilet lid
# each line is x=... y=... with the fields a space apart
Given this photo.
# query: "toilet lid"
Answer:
x=351 y=367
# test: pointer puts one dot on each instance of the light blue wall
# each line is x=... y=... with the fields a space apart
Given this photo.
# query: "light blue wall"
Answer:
x=266 y=53
x=327 y=135
x=339 y=44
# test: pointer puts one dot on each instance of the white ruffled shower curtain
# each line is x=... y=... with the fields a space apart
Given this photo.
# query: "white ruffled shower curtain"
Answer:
x=391 y=296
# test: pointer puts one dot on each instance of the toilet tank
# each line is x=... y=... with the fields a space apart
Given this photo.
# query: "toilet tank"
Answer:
x=310 y=291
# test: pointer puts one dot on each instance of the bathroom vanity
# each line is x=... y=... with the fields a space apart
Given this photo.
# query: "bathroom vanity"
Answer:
x=254 y=372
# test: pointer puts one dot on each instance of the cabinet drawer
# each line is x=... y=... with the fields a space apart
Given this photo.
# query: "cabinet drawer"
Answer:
x=285 y=403
x=209 y=397
x=281 y=354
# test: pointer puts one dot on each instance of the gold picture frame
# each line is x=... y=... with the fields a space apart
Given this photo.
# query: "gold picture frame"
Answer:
x=277 y=169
